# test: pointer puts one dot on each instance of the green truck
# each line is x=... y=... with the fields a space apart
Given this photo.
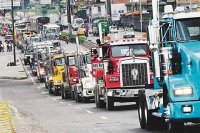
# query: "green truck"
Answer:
x=105 y=26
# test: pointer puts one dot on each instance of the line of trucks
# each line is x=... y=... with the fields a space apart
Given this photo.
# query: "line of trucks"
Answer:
x=160 y=74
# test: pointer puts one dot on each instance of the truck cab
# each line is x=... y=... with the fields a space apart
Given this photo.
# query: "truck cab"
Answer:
x=70 y=76
x=174 y=97
x=58 y=65
x=125 y=68
x=84 y=89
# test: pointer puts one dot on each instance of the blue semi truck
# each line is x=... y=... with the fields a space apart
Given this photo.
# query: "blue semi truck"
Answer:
x=174 y=99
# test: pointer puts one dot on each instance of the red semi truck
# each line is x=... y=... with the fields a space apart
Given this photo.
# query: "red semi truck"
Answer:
x=121 y=68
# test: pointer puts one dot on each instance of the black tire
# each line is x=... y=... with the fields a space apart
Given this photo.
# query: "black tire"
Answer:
x=147 y=120
x=176 y=127
x=72 y=95
x=141 y=114
x=86 y=100
x=109 y=103
x=62 y=92
x=76 y=96
x=50 y=90
x=41 y=79
x=99 y=103
x=46 y=86
x=56 y=92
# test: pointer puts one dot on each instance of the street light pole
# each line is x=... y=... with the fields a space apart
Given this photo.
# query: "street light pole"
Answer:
x=13 y=32
x=69 y=16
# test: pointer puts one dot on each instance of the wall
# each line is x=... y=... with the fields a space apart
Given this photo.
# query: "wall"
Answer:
x=117 y=10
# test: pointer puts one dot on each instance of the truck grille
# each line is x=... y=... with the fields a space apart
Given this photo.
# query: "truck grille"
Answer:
x=134 y=74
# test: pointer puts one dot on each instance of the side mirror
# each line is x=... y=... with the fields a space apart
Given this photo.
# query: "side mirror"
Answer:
x=100 y=53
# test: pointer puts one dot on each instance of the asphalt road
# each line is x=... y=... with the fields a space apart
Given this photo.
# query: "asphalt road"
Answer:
x=35 y=111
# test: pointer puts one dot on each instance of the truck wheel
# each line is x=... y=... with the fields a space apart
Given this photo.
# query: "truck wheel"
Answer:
x=176 y=127
x=50 y=90
x=109 y=103
x=151 y=122
x=72 y=95
x=98 y=101
x=46 y=86
x=86 y=100
x=41 y=80
x=62 y=93
x=141 y=112
x=67 y=96
x=56 y=92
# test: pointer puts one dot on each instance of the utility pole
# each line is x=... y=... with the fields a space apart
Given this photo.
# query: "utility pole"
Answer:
x=141 y=16
x=13 y=32
x=69 y=16
x=59 y=12
x=23 y=6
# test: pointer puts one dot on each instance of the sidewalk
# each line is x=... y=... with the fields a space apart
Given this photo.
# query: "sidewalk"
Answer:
x=11 y=72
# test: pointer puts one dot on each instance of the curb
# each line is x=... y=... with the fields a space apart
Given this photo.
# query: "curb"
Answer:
x=23 y=66
x=6 y=123
x=16 y=78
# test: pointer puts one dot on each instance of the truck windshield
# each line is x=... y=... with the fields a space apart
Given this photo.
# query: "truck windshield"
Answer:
x=188 y=29
x=129 y=50
x=59 y=61
x=71 y=60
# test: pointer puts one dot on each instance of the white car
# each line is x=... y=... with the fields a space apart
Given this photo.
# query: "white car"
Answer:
x=129 y=33
x=113 y=29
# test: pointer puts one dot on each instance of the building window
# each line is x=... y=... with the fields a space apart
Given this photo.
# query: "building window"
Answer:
x=99 y=9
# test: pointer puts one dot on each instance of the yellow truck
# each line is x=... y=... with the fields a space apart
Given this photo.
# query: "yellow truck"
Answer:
x=57 y=65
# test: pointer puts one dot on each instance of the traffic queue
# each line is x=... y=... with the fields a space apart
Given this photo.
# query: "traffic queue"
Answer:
x=111 y=72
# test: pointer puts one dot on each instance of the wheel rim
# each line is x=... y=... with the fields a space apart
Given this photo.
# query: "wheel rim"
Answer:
x=145 y=113
x=140 y=112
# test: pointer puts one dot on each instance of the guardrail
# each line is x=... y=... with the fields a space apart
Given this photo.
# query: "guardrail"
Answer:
x=6 y=124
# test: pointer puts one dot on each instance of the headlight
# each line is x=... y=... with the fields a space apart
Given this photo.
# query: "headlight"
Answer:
x=183 y=91
x=113 y=79
x=58 y=81
x=50 y=78
x=74 y=80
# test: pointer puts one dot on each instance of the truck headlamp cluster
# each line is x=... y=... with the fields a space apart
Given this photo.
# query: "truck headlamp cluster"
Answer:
x=74 y=80
x=113 y=79
x=187 y=109
x=58 y=81
x=183 y=91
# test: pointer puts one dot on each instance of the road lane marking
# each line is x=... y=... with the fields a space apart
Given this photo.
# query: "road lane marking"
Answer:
x=34 y=83
x=88 y=111
x=62 y=102
x=54 y=99
x=103 y=117
x=77 y=107
x=16 y=111
x=39 y=88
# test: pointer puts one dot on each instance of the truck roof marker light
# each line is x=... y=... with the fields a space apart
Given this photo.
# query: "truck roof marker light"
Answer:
x=170 y=72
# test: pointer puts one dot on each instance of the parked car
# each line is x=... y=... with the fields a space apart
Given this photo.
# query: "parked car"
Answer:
x=113 y=29
x=129 y=33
